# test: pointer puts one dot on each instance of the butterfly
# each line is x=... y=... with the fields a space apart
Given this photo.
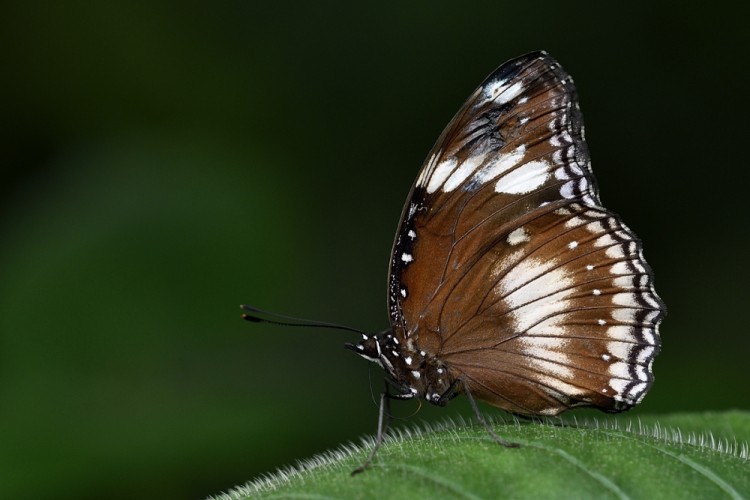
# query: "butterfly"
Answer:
x=509 y=281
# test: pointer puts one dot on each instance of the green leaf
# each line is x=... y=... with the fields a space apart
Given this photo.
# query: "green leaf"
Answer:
x=675 y=456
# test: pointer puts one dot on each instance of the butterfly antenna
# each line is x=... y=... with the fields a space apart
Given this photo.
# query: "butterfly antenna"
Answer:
x=255 y=315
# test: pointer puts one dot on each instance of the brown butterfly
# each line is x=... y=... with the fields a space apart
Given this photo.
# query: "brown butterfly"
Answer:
x=509 y=281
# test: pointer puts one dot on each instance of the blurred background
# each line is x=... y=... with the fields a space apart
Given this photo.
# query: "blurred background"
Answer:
x=163 y=162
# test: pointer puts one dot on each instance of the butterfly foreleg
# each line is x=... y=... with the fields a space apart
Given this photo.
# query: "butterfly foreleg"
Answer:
x=384 y=417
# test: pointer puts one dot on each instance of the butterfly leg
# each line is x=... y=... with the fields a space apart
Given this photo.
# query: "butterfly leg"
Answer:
x=384 y=415
x=480 y=417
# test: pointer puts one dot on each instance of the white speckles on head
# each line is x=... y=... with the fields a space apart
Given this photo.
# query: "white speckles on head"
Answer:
x=524 y=179
x=408 y=360
x=518 y=236
x=416 y=374
x=406 y=257
x=440 y=371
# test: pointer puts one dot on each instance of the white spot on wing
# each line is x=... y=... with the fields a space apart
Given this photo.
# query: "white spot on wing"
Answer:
x=625 y=299
x=465 y=170
x=621 y=350
x=501 y=164
x=441 y=173
x=518 y=236
x=427 y=169
x=524 y=179
x=566 y=191
x=500 y=92
x=615 y=252
x=625 y=315
x=618 y=384
x=619 y=370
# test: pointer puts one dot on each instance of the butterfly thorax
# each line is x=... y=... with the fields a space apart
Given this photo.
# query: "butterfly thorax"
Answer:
x=414 y=372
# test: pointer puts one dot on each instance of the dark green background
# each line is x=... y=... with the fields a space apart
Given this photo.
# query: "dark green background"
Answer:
x=164 y=162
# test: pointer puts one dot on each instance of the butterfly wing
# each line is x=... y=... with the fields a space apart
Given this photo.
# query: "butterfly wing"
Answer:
x=507 y=267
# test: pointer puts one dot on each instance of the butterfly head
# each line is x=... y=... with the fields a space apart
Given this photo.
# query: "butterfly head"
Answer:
x=414 y=372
